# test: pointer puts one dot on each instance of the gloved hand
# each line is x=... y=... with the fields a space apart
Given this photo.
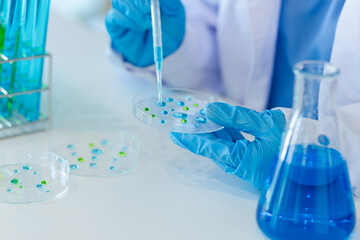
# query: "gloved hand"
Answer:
x=129 y=26
x=251 y=161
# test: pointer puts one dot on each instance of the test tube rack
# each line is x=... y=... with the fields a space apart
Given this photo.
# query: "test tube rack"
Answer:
x=15 y=123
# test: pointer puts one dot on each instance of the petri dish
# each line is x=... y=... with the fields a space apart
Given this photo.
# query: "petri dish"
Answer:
x=33 y=178
x=97 y=154
x=181 y=111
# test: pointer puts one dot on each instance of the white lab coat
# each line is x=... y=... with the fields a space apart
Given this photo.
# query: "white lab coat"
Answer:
x=229 y=48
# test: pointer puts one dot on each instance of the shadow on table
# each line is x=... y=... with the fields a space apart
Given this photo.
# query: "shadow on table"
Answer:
x=200 y=172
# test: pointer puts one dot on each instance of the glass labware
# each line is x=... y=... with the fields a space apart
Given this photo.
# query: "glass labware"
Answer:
x=309 y=195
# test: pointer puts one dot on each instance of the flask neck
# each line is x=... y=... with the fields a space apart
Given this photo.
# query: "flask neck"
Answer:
x=315 y=89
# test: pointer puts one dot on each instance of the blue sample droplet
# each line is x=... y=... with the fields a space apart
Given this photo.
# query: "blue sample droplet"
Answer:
x=26 y=167
x=324 y=140
x=36 y=173
x=16 y=171
x=39 y=186
x=112 y=168
x=115 y=159
x=188 y=98
x=94 y=158
x=162 y=121
x=47 y=191
x=161 y=104
x=74 y=166
x=180 y=103
x=164 y=112
x=74 y=154
x=70 y=146
x=9 y=190
x=96 y=151
x=93 y=165
x=170 y=99
x=171 y=110
x=202 y=112
x=104 y=142
x=201 y=120
x=180 y=115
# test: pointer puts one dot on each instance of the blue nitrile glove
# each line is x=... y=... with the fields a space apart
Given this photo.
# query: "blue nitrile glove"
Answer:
x=129 y=26
x=251 y=161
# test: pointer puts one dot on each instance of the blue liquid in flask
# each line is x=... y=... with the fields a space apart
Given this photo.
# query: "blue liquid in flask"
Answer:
x=311 y=197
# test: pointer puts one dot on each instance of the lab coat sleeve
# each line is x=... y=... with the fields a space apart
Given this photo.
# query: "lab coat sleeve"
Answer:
x=349 y=127
x=195 y=63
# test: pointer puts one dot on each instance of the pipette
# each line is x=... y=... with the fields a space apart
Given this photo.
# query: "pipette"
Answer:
x=157 y=39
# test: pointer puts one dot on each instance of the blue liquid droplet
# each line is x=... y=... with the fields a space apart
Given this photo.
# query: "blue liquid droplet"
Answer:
x=96 y=151
x=188 y=98
x=26 y=167
x=164 y=112
x=70 y=146
x=180 y=115
x=104 y=143
x=170 y=99
x=47 y=191
x=36 y=173
x=171 y=110
x=93 y=165
x=180 y=103
x=324 y=140
x=198 y=124
x=162 y=121
x=74 y=154
x=16 y=171
x=161 y=104
x=9 y=190
x=201 y=120
x=39 y=186
x=94 y=158
x=74 y=166
x=112 y=168
x=202 y=112
x=115 y=159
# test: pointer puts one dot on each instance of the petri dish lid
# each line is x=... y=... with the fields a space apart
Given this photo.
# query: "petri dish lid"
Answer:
x=97 y=153
x=181 y=111
x=33 y=178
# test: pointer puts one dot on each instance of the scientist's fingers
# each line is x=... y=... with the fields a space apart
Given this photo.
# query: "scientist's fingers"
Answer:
x=227 y=155
x=123 y=16
x=170 y=7
x=243 y=119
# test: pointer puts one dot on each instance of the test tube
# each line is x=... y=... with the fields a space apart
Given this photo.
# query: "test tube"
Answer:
x=32 y=43
x=11 y=12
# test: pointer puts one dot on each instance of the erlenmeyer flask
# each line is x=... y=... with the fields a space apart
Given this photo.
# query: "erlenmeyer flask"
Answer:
x=309 y=196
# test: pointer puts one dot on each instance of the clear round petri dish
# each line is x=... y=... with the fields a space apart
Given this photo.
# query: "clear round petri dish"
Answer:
x=180 y=111
x=33 y=178
x=97 y=154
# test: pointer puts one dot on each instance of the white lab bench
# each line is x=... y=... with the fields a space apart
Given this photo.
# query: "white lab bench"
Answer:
x=171 y=195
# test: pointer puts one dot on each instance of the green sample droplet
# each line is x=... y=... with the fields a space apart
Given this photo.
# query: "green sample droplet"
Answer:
x=196 y=105
x=80 y=159
x=43 y=182
x=15 y=181
x=146 y=109
x=122 y=154
x=183 y=120
x=186 y=108
x=152 y=115
x=91 y=145
x=21 y=186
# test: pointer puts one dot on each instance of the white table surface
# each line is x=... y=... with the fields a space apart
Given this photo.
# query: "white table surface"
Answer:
x=171 y=195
